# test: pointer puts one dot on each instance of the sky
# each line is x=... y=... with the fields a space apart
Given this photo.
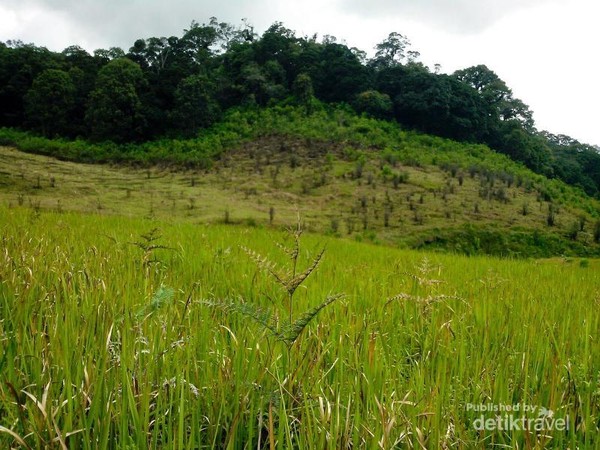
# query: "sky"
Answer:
x=545 y=50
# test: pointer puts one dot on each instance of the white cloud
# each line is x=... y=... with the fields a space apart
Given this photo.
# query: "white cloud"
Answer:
x=458 y=16
x=93 y=24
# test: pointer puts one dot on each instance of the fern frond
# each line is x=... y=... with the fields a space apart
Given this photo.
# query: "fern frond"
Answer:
x=161 y=297
x=291 y=332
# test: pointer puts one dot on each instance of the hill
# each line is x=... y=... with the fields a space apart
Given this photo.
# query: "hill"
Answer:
x=177 y=87
x=349 y=176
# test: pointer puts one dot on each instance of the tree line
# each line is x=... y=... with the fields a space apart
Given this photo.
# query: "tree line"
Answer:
x=176 y=86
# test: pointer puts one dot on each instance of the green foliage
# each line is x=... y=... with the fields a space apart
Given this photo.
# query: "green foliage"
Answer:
x=50 y=102
x=497 y=94
x=115 y=110
x=303 y=90
x=473 y=240
x=161 y=298
x=391 y=51
x=339 y=74
x=597 y=232
x=292 y=331
x=20 y=64
x=575 y=163
x=287 y=333
x=195 y=106
x=373 y=103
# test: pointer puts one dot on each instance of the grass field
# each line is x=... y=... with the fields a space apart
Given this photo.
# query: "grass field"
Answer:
x=124 y=332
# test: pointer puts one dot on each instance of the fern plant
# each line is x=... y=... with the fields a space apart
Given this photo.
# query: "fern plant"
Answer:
x=160 y=298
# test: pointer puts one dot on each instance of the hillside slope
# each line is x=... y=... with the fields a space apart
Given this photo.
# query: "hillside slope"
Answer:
x=348 y=176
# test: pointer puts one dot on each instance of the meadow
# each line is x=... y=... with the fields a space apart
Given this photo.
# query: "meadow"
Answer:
x=130 y=332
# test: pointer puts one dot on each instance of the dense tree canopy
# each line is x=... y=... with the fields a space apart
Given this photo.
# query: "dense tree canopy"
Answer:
x=195 y=106
x=50 y=102
x=176 y=86
x=115 y=110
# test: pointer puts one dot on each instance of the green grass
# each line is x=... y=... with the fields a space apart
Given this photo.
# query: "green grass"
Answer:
x=108 y=341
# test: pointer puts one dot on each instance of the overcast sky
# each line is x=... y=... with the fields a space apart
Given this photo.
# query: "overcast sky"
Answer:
x=546 y=50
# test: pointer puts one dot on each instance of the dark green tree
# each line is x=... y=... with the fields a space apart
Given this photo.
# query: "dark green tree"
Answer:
x=20 y=64
x=392 y=51
x=497 y=94
x=50 y=101
x=105 y=55
x=76 y=56
x=199 y=41
x=280 y=44
x=115 y=111
x=195 y=106
x=304 y=93
x=575 y=163
x=374 y=103
x=339 y=75
x=515 y=141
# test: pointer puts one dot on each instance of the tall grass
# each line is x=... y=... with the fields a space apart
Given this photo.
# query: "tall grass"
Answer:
x=108 y=342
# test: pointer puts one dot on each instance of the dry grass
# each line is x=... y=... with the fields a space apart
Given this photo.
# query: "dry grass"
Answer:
x=257 y=181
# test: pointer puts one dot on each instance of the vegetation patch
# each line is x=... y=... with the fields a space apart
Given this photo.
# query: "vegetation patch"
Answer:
x=122 y=332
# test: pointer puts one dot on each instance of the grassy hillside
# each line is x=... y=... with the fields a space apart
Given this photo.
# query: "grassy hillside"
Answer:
x=112 y=338
x=349 y=176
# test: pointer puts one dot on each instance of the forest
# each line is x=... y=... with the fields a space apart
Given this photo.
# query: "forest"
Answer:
x=176 y=87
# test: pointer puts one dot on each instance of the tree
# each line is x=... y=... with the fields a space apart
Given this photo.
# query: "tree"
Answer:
x=152 y=53
x=391 y=51
x=115 y=111
x=195 y=106
x=497 y=94
x=339 y=75
x=374 y=103
x=515 y=141
x=484 y=81
x=424 y=102
x=83 y=69
x=20 y=64
x=50 y=101
x=469 y=118
x=199 y=41
x=78 y=57
x=277 y=43
x=253 y=83
x=304 y=93
x=390 y=80
x=228 y=35
x=137 y=53
x=575 y=163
